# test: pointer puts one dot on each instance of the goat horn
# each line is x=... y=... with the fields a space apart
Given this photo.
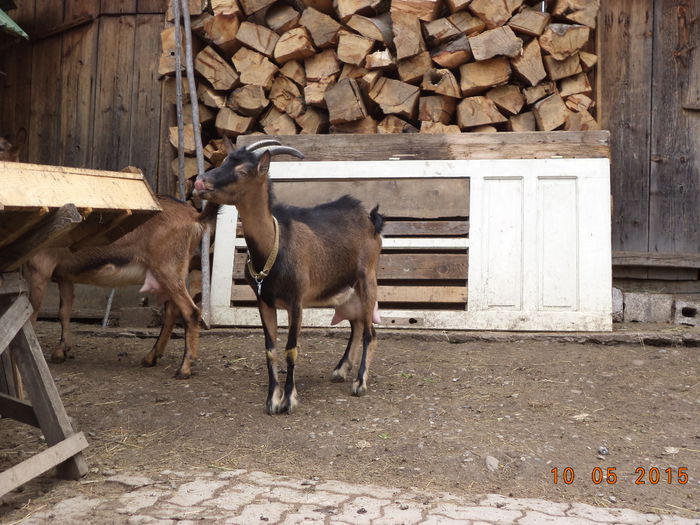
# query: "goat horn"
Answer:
x=280 y=150
x=262 y=144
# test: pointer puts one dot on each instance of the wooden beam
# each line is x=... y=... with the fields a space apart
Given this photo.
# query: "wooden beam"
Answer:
x=653 y=259
x=12 y=320
x=12 y=283
x=18 y=410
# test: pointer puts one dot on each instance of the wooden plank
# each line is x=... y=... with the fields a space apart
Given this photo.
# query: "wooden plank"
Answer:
x=624 y=106
x=33 y=185
x=387 y=294
x=7 y=376
x=47 y=15
x=43 y=395
x=41 y=462
x=12 y=320
x=77 y=9
x=14 y=225
x=79 y=59
x=12 y=283
x=417 y=228
x=674 y=213
x=113 y=92
x=44 y=139
x=152 y=6
x=116 y=7
x=52 y=228
x=421 y=198
x=527 y=145
x=146 y=99
x=409 y=243
x=422 y=266
x=167 y=183
x=18 y=410
x=653 y=259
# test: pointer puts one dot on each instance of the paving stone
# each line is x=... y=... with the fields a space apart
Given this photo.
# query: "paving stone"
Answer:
x=134 y=501
x=394 y=514
x=648 y=308
x=499 y=516
x=235 y=497
x=67 y=512
x=687 y=313
x=436 y=519
x=610 y=515
x=538 y=518
x=254 y=513
x=546 y=507
x=677 y=520
x=130 y=481
x=617 y=305
x=147 y=520
x=268 y=480
x=231 y=473
x=304 y=515
x=287 y=495
x=372 y=510
x=196 y=491
x=359 y=490
x=169 y=511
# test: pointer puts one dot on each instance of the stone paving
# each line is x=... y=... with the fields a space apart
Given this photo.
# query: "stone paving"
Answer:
x=248 y=497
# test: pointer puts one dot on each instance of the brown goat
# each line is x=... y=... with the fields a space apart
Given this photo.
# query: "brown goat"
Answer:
x=327 y=255
x=8 y=151
x=157 y=254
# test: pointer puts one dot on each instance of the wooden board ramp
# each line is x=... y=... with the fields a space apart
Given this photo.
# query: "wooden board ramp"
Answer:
x=41 y=207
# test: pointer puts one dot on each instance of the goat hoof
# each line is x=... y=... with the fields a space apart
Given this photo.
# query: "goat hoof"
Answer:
x=58 y=358
x=359 y=389
x=182 y=375
x=337 y=376
x=148 y=363
x=289 y=405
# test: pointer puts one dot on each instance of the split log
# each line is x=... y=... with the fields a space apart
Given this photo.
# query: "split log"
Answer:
x=495 y=42
x=439 y=31
x=226 y=7
x=580 y=121
x=452 y=54
x=442 y=82
x=248 y=100
x=312 y=122
x=579 y=11
x=477 y=77
x=286 y=96
x=588 y=60
x=529 y=66
x=210 y=97
x=191 y=169
x=295 y=44
x=314 y=91
x=220 y=30
x=558 y=69
x=377 y=28
x=258 y=38
x=438 y=128
x=550 y=113
x=206 y=115
x=214 y=152
x=368 y=80
x=365 y=125
x=477 y=111
x=352 y=71
x=508 y=98
x=253 y=6
x=393 y=124
x=426 y=10
x=232 y=124
x=436 y=108
x=413 y=69
x=347 y=8
x=274 y=122
x=352 y=49
x=408 y=35
x=215 y=69
x=535 y=93
x=322 y=65
x=396 y=97
x=573 y=85
x=196 y=8
x=188 y=132
x=255 y=68
x=344 y=102
x=281 y=18
x=579 y=102
x=494 y=13
x=483 y=129
x=323 y=29
x=522 y=122
x=382 y=59
x=457 y=5
x=170 y=92
x=324 y=6
x=564 y=40
x=529 y=22
x=467 y=23
x=294 y=70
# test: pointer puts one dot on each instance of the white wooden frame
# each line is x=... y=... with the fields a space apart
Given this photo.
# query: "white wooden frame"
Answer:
x=550 y=268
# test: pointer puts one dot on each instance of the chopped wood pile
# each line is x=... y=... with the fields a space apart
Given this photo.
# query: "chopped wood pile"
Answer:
x=390 y=66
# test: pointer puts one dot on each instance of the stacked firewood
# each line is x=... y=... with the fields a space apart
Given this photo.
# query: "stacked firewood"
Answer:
x=392 y=66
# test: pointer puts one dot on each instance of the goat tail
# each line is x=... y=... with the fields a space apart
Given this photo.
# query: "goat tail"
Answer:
x=377 y=219
x=208 y=214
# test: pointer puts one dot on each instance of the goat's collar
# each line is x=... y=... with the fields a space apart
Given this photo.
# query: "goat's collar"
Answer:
x=259 y=276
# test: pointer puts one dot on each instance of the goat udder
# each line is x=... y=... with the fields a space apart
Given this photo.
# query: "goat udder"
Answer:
x=151 y=285
x=350 y=312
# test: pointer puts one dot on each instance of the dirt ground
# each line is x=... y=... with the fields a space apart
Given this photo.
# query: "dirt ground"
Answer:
x=433 y=414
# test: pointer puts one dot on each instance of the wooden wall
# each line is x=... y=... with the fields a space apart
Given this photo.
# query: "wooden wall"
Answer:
x=650 y=101
x=86 y=88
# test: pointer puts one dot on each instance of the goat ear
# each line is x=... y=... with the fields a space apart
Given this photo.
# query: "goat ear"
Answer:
x=228 y=144
x=264 y=164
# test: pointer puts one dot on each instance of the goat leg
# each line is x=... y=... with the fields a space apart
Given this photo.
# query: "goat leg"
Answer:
x=289 y=401
x=344 y=366
x=268 y=317
x=169 y=318
x=66 y=294
x=367 y=291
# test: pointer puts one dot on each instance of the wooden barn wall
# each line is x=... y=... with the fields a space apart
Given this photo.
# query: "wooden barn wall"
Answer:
x=86 y=87
x=650 y=101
